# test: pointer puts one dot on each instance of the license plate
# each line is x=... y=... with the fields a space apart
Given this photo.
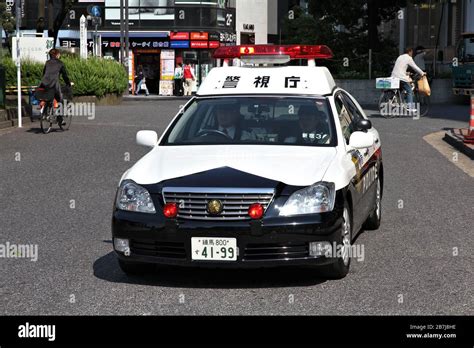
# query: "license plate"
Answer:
x=214 y=249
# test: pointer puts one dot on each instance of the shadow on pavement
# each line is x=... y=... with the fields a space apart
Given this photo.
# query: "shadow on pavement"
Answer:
x=107 y=268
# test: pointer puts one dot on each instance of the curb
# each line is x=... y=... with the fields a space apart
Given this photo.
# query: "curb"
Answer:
x=455 y=138
x=154 y=98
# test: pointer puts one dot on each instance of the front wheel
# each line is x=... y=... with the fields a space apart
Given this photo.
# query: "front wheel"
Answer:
x=64 y=122
x=340 y=268
x=424 y=101
x=375 y=217
x=389 y=103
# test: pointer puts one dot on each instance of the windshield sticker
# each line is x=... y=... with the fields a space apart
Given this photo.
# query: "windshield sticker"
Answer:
x=231 y=82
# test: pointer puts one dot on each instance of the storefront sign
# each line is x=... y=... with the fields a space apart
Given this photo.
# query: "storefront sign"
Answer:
x=33 y=48
x=249 y=27
x=214 y=36
x=200 y=36
x=179 y=36
x=214 y=44
x=167 y=54
x=179 y=44
x=199 y=44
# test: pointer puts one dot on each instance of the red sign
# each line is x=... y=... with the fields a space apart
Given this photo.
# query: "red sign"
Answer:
x=179 y=36
x=200 y=36
x=199 y=44
x=214 y=44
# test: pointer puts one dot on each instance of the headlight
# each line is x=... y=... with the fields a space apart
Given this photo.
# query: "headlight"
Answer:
x=318 y=198
x=132 y=197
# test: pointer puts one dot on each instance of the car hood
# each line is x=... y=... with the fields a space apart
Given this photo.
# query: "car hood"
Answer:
x=291 y=165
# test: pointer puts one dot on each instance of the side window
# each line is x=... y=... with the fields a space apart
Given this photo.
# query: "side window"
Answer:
x=345 y=118
x=353 y=109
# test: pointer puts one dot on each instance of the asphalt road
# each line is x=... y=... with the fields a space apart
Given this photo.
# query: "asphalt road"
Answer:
x=57 y=191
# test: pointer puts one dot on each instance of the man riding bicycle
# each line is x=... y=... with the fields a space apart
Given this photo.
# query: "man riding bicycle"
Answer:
x=400 y=71
x=51 y=73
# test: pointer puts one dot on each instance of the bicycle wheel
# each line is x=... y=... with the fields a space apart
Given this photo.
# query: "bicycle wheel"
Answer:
x=46 y=121
x=424 y=101
x=64 y=122
x=389 y=102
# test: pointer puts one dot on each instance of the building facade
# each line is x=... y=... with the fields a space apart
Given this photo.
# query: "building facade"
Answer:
x=162 y=34
x=252 y=21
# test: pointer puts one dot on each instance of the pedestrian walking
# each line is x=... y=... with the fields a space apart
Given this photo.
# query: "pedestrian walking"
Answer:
x=178 y=80
x=189 y=78
x=141 y=85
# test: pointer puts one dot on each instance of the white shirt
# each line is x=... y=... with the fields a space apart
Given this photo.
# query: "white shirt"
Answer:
x=401 y=67
x=178 y=73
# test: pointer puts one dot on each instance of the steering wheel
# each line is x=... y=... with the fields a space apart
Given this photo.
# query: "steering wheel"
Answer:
x=206 y=132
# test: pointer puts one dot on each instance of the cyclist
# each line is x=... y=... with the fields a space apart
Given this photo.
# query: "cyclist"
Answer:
x=400 y=71
x=51 y=73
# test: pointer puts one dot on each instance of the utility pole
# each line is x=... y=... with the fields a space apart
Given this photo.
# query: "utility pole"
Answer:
x=122 y=28
x=127 y=43
x=18 y=60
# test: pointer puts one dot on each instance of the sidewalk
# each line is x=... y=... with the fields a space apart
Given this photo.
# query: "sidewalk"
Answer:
x=153 y=97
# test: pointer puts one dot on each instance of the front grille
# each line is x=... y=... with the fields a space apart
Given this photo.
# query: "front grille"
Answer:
x=193 y=202
x=270 y=252
x=166 y=250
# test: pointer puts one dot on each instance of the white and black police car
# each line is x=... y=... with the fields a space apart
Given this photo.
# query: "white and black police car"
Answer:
x=269 y=165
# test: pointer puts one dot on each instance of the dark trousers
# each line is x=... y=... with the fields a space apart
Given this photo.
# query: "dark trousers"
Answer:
x=178 y=87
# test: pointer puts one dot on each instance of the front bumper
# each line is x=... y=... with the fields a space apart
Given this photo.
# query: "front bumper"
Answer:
x=272 y=242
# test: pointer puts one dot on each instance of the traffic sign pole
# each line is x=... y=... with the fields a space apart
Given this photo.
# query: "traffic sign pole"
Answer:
x=18 y=61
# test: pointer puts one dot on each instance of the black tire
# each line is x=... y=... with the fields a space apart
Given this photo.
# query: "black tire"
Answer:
x=391 y=99
x=340 y=268
x=46 y=121
x=424 y=101
x=375 y=217
x=65 y=122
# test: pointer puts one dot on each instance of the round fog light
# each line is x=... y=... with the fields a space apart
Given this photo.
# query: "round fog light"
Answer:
x=121 y=245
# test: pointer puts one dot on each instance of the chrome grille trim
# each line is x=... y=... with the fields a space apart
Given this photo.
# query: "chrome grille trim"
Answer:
x=193 y=201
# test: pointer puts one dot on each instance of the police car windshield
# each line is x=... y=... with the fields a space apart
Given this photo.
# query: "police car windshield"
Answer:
x=254 y=120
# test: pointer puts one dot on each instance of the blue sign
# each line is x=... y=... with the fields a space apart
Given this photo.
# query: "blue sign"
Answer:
x=96 y=11
x=179 y=44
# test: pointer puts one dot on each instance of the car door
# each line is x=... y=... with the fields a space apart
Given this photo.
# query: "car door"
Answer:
x=367 y=162
x=347 y=123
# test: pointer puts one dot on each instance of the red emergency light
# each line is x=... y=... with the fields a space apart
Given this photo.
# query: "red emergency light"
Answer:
x=292 y=51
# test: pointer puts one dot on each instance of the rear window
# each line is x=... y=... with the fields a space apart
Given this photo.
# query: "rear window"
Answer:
x=254 y=120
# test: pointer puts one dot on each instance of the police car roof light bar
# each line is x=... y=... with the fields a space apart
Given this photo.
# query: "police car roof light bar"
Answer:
x=309 y=52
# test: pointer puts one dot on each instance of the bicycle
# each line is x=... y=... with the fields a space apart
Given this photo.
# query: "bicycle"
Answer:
x=49 y=109
x=395 y=97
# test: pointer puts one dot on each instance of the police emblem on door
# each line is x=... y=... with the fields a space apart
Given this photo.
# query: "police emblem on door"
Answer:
x=215 y=207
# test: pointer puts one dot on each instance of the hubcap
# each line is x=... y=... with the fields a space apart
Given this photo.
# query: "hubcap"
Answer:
x=346 y=237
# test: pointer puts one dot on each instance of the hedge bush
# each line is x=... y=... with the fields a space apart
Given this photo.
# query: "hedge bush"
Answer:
x=94 y=76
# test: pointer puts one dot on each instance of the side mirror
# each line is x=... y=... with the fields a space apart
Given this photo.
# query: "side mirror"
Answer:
x=361 y=140
x=147 y=138
x=363 y=125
